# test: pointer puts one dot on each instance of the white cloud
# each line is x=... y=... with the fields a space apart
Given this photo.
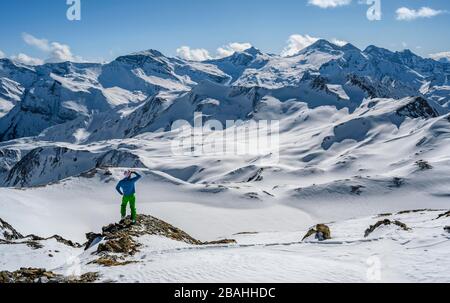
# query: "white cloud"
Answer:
x=296 y=43
x=25 y=59
x=41 y=44
x=2 y=55
x=339 y=42
x=61 y=53
x=201 y=54
x=443 y=56
x=407 y=14
x=231 y=48
x=57 y=52
x=329 y=3
x=193 y=54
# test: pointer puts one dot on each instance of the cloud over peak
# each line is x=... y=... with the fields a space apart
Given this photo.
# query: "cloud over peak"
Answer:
x=25 y=59
x=201 y=54
x=298 y=42
x=193 y=54
x=442 y=56
x=56 y=52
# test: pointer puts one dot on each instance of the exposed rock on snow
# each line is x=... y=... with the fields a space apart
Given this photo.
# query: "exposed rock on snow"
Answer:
x=111 y=261
x=355 y=127
x=7 y=232
x=220 y=242
x=386 y=222
x=146 y=225
x=36 y=275
x=321 y=232
x=262 y=255
x=418 y=108
x=424 y=165
x=444 y=215
x=122 y=244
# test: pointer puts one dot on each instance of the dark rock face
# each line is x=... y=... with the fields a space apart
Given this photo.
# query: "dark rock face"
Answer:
x=419 y=108
x=386 y=222
x=447 y=229
x=321 y=231
x=423 y=165
x=444 y=215
x=9 y=233
x=93 y=239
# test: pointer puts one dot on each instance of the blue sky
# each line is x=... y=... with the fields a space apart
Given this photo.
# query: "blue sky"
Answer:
x=109 y=28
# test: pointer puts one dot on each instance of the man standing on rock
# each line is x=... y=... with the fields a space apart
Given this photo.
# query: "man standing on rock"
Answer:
x=127 y=189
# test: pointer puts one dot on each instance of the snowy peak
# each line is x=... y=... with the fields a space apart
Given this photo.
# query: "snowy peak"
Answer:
x=321 y=45
x=378 y=51
x=322 y=74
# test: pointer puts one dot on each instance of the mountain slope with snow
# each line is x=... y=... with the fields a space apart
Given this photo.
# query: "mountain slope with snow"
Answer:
x=361 y=132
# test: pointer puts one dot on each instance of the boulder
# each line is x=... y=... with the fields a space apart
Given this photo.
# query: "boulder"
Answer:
x=321 y=232
x=122 y=245
x=385 y=222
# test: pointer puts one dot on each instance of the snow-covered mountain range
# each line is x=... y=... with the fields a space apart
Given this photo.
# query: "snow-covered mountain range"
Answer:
x=62 y=110
x=362 y=132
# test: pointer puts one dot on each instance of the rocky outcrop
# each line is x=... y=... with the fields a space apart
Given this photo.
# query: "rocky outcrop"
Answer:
x=7 y=232
x=423 y=165
x=444 y=215
x=8 y=235
x=119 y=244
x=386 y=222
x=38 y=275
x=220 y=242
x=413 y=211
x=418 y=108
x=111 y=261
x=121 y=238
x=321 y=232
x=147 y=225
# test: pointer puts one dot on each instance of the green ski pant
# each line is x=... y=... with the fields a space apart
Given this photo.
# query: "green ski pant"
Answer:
x=123 y=210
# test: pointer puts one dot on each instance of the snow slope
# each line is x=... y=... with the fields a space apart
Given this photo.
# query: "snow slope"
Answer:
x=390 y=254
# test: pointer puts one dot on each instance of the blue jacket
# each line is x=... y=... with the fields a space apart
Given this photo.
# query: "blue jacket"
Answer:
x=126 y=187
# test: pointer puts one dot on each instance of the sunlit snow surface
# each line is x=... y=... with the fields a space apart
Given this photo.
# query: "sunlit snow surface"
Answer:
x=346 y=154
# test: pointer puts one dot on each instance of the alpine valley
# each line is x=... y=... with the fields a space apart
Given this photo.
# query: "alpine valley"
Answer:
x=364 y=150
